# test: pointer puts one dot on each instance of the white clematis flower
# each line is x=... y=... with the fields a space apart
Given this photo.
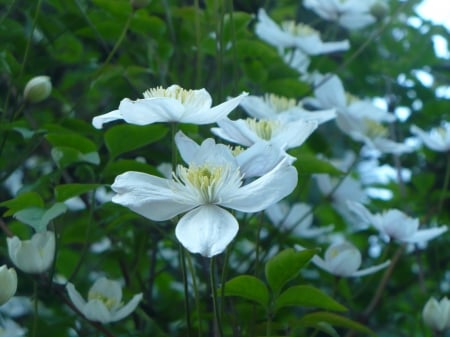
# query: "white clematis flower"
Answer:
x=297 y=218
x=246 y=132
x=437 y=314
x=212 y=181
x=437 y=139
x=344 y=259
x=254 y=161
x=351 y=14
x=35 y=255
x=395 y=224
x=274 y=107
x=292 y=35
x=104 y=302
x=173 y=104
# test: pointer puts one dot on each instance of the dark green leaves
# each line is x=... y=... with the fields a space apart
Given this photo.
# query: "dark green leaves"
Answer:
x=248 y=287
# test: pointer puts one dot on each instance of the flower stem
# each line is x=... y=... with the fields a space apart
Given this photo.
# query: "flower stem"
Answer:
x=196 y=294
x=35 y=308
x=186 y=290
x=212 y=278
x=446 y=182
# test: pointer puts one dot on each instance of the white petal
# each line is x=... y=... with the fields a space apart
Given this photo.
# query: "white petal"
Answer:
x=331 y=93
x=294 y=134
x=356 y=21
x=149 y=196
x=127 y=309
x=206 y=230
x=107 y=288
x=264 y=191
x=426 y=234
x=214 y=114
x=257 y=108
x=370 y=270
x=151 y=110
x=186 y=147
x=75 y=297
x=95 y=310
x=98 y=121
x=362 y=212
x=236 y=132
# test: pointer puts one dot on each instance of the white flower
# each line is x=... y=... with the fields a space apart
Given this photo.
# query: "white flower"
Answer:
x=292 y=35
x=104 y=302
x=212 y=180
x=437 y=314
x=295 y=59
x=395 y=224
x=9 y=328
x=297 y=218
x=173 y=104
x=351 y=14
x=344 y=259
x=282 y=134
x=254 y=161
x=37 y=89
x=35 y=255
x=8 y=283
x=437 y=139
x=274 y=107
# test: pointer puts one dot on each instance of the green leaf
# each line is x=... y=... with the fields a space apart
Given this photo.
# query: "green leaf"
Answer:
x=248 y=287
x=125 y=137
x=290 y=87
x=284 y=266
x=22 y=201
x=65 y=156
x=38 y=217
x=72 y=140
x=67 y=191
x=316 y=318
x=307 y=296
x=309 y=164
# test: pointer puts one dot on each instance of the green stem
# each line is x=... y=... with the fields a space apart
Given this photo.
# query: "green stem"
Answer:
x=35 y=308
x=186 y=290
x=198 y=58
x=446 y=182
x=196 y=293
x=174 y=129
x=212 y=278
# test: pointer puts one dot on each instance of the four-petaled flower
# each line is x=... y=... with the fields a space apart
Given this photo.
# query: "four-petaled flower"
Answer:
x=173 y=104
x=104 y=302
x=395 y=224
x=344 y=259
x=212 y=181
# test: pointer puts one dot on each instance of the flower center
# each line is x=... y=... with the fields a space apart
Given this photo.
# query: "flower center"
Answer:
x=349 y=98
x=175 y=92
x=206 y=183
x=374 y=129
x=263 y=128
x=109 y=302
x=298 y=29
x=279 y=103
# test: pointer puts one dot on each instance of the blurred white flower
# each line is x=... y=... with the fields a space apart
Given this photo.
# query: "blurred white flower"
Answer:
x=295 y=35
x=297 y=218
x=295 y=59
x=104 y=302
x=437 y=139
x=344 y=259
x=9 y=328
x=395 y=224
x=8 y=283
x=173 y=104
x=246 y=132
x=35 y=255
x=212 y=180
x=274 y=107
x=350 y=14
x=37 y=89
x=437 y=314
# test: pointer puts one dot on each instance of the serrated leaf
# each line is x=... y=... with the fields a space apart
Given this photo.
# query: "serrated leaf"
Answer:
x=248 y=287
x=284 y=266
x=307 y=296
x=38 y=217
x=67 y=191
x=22 y=201
x=125 y=137
x=316 y=318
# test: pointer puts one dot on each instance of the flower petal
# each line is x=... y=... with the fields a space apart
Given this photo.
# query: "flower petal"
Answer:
x=127 y=309
x=107 y=288
x=95 y=310
x=370 y=270
x=75 y=297
x=98 y=121
x=294 y=134
x=426 y=234
x=237 y=132
x=206 y=230
x=257 y=108
x=149 y=196
x=151 y=110
x=186 y=147
x=264 y=191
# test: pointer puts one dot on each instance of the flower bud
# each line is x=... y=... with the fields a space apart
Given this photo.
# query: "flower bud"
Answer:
x=35 y=255
x=8 y=283
x=380 y=9
x=37 y=89
x=436 y=314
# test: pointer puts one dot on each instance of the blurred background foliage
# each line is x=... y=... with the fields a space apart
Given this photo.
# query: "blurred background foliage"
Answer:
x=98 y=52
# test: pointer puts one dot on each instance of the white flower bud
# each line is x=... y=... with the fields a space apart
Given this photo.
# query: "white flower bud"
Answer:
x=37 y=89
x=436 y=314
x=8 y=283
x=35 y=255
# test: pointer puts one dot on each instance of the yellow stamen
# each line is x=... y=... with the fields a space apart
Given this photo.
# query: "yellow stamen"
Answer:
x=177 y=93
x=263 y=128
x=280 y=103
